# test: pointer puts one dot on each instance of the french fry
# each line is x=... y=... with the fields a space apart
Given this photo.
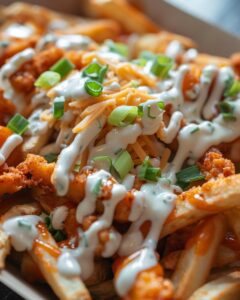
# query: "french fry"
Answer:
x=233 y=218
x=158 y=42
x=66 y=288
x=196 y=260
x=118 y=10
x=5 y=245
x=216 y=196
x=223 y=288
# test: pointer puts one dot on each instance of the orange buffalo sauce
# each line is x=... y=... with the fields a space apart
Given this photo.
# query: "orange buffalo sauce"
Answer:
x=43 y=242
x=201 y=237
x=196 y=198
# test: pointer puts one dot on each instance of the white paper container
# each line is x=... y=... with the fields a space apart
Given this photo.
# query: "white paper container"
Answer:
x=210 y=39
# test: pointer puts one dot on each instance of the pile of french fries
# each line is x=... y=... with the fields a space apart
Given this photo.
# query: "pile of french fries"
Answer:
x=199 y=246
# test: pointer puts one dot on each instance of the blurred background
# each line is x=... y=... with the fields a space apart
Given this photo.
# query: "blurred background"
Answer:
x=223 y=13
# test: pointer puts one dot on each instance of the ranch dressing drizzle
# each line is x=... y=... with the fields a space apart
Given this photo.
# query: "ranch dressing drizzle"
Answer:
x=73 y=42
x=146 y=259
x=37 y=127
x=12 y=65
x=68 y=156
x=84 y=254
x=171 y=131
x=59 y=215
x=208 y=133
x=19 y=31
x=9 y=145
x=71 y=88
x=174 y=49
x=117 y=139
x=224 y=75
x=22 y=231
x=159 y=199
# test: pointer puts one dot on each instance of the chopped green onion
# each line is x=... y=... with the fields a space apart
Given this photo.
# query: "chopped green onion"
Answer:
x=229 y=117
x=123 y=115
x=147 y=172
x=152 y=174
x=47 y=80
x=93 y=87
x=62 y=67
x=58 y=235
x=119 y=48
x=233 y=89
x=140 y=62
x=188 y=175
x=161 y=66
x=102 y=162
x=50 y=157
x=97 y=188
x=77 y=167
x=18 y=124
x=161 y=105
x=195 y=130
x=24 y=224
x=226 y=109
x=58 y=107
x=122 y=164
x=95 y=71
x=149 y=112
x=135 y=83
x=140 y=110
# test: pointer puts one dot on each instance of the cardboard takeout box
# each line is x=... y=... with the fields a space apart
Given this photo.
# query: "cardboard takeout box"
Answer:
x=209 y=39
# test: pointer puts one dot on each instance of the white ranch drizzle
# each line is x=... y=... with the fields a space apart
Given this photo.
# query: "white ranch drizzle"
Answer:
x=190 y=55
x=112 y=245
x=173 y=127
x=208 y=134
x=84 y=254
x=117 y=139
x=174 y=49
x=9 y=145
x=37 y=127
x=224 y=75
x=128 y=181
x=145 y=260
x=73 y=42
x=19 y=31
x=12 y=65
x=71 y=88
x=22 y=231
x=68 y=156
x=59 y=215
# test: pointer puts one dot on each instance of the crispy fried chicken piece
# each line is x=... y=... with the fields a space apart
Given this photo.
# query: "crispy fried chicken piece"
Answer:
x=215 y=166
x=23 y=80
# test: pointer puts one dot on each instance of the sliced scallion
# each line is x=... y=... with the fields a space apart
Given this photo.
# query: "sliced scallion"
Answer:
x=118 y=48
x=50 y=157
x=95 y=71
x=188 y=175
x=18 y=124
x=122 y=164
x=47 y=80
x=58 y=107
x=233 y=89
x=62 y=67
x=93 y=87
x=123 y=115
x=226 y=109
x=102 y=162
x=148 y=172
x=97 y=188
x=161 y=66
